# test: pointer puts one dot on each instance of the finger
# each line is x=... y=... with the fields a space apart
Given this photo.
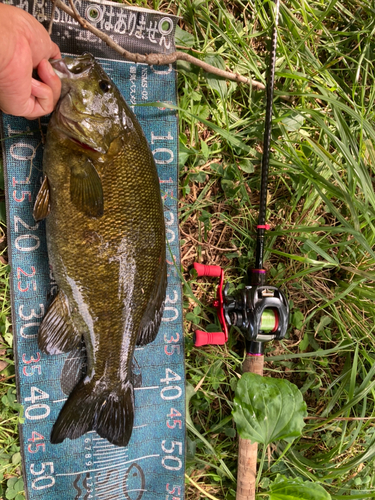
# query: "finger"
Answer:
x=29 y=97
x=49 y=77
x=55 y=52
x=40 y=102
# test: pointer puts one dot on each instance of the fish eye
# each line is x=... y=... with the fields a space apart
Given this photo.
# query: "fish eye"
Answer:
x=104 y=85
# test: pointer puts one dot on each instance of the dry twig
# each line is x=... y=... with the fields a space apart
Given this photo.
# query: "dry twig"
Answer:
x=155 y=59
x=51 y=20
x=209 y=245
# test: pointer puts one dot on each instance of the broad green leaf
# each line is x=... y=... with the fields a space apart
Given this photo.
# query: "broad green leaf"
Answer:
x=247 y=166
x=303 y=345
x=19 y=486
x=11 y=482
x=205 y=149
x=298 y=319
x=286 y=488
x=293 y=121
x=268 y=409
x=184 y=38
x=216 y=82
x=16 y=458
x=192 y=317
x=197 y=310
x=184 y=153
x=10 y=494
x=201 y=111
x=198 y=177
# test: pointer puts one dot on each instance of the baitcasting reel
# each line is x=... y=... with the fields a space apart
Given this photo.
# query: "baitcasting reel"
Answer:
x=260 y=311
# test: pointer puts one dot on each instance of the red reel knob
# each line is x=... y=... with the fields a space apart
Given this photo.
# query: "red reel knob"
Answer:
x=202 y=270
x=209 y=338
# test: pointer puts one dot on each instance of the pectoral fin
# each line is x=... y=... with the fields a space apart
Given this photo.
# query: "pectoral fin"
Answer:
x=42 y=205
x=57 y=333
x=86 y=191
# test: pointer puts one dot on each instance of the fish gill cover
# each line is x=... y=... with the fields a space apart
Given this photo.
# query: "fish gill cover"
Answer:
x=152 y=465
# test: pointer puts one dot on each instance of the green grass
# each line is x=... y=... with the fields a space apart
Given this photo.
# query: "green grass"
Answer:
x=320 y=249
x=10 y=410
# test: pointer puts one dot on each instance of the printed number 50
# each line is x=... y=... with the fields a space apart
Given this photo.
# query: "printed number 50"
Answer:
x=42 y=482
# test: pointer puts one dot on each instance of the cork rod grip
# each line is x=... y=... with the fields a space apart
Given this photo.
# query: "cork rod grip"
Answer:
x=248 y=452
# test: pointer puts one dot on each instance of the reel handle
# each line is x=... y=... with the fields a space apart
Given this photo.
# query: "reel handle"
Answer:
x=209 y=338
x=213 y=338
x=203 y=270
x=248 y=451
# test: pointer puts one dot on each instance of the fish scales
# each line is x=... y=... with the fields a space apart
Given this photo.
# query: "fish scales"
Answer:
x=108 y=256
x=104 y=249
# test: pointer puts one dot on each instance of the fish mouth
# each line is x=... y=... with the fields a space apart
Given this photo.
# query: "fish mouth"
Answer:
x=73 y=68
x=71 y=129
x=83 y=145
x=60 y=68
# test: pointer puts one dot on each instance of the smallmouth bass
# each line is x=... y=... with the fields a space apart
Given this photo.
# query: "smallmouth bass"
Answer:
x=106 y=244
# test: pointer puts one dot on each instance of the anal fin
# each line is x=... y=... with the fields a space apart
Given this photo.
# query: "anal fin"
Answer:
x=57 y=333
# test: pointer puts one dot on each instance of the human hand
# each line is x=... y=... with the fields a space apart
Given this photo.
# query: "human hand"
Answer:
x=25 y=45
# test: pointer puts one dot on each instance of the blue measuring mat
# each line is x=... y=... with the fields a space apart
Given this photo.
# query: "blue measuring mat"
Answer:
x=152 y=466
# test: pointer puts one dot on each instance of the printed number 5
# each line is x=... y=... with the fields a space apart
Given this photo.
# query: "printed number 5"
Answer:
x=37 y=446
x=44 y=465
x=171 y=450
x=173 y=491
x=173 y=425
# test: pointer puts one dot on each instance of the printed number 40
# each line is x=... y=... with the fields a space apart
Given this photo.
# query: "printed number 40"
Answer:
x=170 y=376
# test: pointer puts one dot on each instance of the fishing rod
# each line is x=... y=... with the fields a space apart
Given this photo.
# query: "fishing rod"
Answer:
x=259 y=310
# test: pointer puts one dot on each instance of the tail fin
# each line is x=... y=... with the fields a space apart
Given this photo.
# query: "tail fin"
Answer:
x=109 y=413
